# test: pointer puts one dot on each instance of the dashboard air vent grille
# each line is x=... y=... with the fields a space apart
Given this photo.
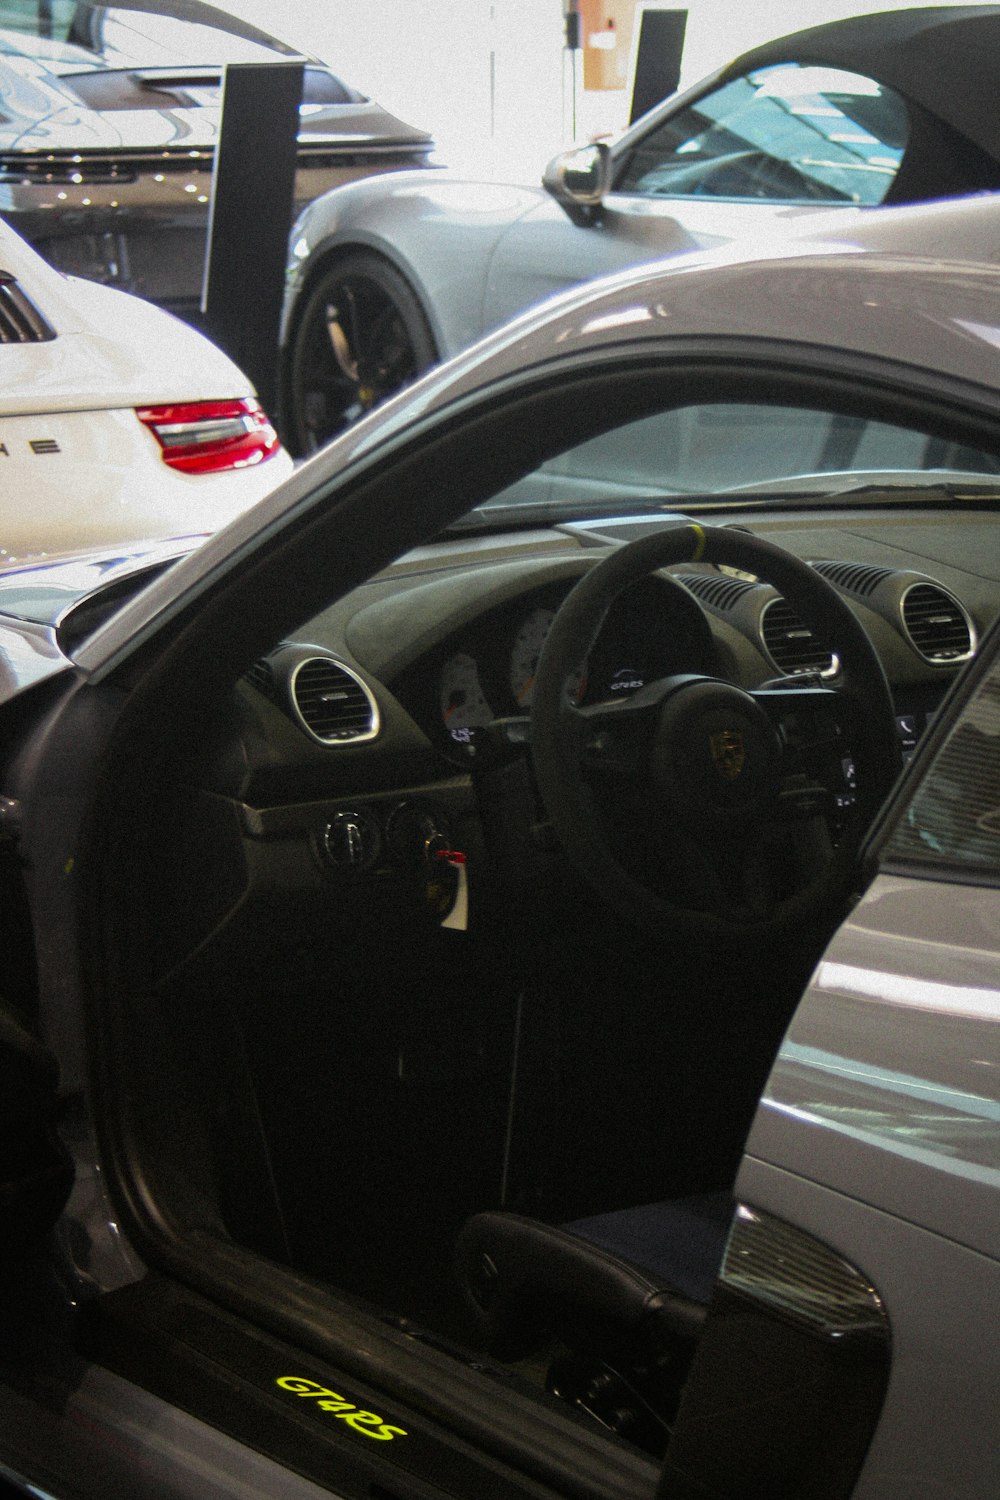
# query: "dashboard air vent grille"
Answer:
x=20 y=320
x=937 y=625
x=332 y=703
x=791 y=644
x=854 y=578
x=714 y=589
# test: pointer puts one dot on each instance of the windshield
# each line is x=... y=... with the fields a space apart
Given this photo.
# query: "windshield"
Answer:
x=712 y=454
x=790 y=132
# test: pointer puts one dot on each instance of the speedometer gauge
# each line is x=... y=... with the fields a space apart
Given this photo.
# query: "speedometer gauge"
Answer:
x=463 y=703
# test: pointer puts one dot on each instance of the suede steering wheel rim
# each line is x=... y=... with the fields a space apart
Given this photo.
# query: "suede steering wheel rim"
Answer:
x=682 y=743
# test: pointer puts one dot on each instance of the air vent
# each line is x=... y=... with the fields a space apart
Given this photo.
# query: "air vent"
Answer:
x=861 y=579
x=332 y=703
x=20 y=320
x=937 y=625
x=715 y=590
x=791 y=645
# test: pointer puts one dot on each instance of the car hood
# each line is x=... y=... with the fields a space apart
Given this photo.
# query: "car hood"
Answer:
x=43 y=593
x=38 y=600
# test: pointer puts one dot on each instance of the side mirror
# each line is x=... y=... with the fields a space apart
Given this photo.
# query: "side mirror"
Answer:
x=579 y=179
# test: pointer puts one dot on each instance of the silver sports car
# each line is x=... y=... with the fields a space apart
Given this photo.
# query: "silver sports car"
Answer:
x=109 y=116
x=385 y=277
x=407 y=899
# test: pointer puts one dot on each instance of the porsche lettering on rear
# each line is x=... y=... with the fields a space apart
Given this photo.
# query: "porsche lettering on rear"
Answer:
x=40 y=447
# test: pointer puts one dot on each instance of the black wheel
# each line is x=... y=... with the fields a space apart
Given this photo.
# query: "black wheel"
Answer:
x=361 y=337
x=736 y=834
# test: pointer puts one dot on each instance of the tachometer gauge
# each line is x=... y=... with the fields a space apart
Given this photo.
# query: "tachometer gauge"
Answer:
x=526 y=650
x=463 y=703
x=524 y=654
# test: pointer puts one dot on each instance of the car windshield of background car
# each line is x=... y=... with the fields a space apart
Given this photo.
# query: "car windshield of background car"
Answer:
x=785 y=132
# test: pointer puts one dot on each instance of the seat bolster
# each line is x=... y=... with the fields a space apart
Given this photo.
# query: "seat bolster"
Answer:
x=523 y=1279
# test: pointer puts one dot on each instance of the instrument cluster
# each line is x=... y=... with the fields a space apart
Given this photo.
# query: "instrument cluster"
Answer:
x=488 y=672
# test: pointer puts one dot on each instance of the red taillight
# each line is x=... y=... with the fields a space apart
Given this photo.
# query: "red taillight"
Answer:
x=202 y=437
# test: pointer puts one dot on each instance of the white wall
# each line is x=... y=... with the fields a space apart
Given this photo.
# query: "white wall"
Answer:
x=491 y=79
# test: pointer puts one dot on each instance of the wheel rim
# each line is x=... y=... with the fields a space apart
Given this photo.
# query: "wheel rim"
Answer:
x=353 y=352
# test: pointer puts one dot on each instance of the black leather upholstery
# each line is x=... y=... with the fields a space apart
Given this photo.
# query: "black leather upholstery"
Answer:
x=681 y=1241
x=643 y=1276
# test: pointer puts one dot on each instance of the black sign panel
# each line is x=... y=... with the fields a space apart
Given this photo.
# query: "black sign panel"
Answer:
x=658 y=57
x=251 y=215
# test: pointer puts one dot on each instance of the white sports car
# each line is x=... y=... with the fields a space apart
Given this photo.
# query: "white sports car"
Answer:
x=118 y=423
x=386 y=276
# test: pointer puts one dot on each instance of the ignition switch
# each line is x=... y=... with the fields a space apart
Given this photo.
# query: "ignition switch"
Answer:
x=413 y=833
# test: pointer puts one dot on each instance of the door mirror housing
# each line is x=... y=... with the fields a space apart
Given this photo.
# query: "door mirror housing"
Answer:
x=579 y=180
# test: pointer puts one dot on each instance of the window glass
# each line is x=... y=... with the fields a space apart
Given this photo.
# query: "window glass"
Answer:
x=38 y=18
x=708 y=449
x=789 y=132
x=954 y=817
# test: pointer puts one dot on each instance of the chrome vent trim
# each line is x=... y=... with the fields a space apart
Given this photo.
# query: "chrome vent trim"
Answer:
x=790 y=643
x=331 y=702
x=861 y=579
x=937 y=625
x=20 y=320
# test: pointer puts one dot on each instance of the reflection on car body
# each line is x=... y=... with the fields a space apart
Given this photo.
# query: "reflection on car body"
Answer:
x=416 y=885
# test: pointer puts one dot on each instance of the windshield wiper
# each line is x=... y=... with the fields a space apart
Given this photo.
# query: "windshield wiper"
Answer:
x=517 y=517
x=879 y=494
x=487 y=518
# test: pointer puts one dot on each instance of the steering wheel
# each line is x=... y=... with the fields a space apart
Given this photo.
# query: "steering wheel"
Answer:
x=698 y=806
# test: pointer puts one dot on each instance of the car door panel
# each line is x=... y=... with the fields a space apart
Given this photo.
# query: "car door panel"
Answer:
x=544 y=252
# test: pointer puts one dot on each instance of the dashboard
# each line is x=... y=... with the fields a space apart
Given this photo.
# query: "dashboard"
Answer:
x=364 y=741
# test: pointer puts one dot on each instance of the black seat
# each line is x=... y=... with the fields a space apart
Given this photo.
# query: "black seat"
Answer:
x=626 y=1293
x=681 y=1241
x=516 y=1272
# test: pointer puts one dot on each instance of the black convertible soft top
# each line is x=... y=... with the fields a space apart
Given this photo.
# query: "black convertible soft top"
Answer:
x=944 y=58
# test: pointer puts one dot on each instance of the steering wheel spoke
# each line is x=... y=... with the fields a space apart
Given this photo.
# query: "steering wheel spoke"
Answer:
x=616 y=737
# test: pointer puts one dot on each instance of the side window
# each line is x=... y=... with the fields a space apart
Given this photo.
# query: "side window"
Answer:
x=953 y=819
x=790 y=133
